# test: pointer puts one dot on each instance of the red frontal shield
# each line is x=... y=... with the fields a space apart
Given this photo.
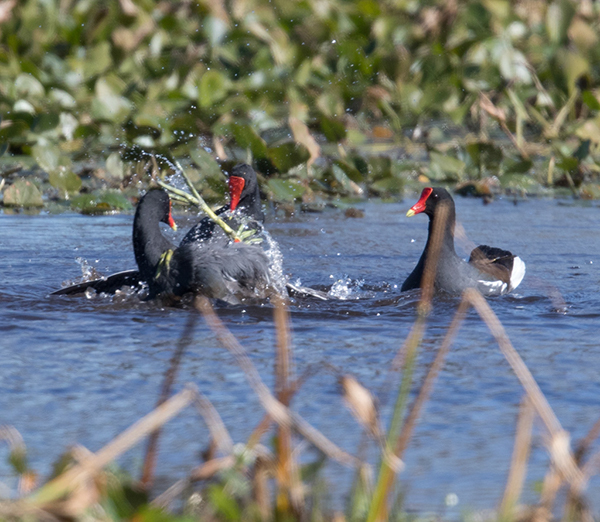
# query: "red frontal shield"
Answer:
x=419 y=206
x=170 y=218
x=236 y=185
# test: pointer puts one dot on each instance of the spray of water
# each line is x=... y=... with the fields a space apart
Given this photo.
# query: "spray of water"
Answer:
x=345 y=288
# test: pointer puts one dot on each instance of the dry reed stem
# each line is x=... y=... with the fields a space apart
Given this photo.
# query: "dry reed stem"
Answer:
x=64 y=483
x=28 y=478
x=559 y=447
x=289 y=489
x=211 y=467
x=498 y=114
x=263 y=426
x=283 y=442
x=164 y=500
x=215 y=424
x=204 y=471
x=550 y=487
x=520 y=456
x=362 y=406
x=260 y=483
x=278 y=412
x=427 y=386
x=587 y=441
x=167 y=386
x=379 y=503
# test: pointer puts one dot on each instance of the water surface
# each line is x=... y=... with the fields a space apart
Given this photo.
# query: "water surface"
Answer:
x=78 y=370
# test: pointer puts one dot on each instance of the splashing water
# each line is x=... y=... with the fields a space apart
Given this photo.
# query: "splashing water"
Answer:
x=278 y=279
x=175 y=179
x=88 y=272
x=344 y=288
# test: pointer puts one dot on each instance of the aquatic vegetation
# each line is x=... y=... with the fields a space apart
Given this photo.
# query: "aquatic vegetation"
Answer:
x=327 y=99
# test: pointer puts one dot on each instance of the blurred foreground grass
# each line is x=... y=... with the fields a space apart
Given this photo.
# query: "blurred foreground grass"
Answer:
x=253 y=481
x=327 y=98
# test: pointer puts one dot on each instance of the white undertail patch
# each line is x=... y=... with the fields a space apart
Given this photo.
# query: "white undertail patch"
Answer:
x=517 y=274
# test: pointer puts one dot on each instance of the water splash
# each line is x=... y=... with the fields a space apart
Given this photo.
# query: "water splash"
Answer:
x=345 y=288
x=278 y=279
x=88 y=272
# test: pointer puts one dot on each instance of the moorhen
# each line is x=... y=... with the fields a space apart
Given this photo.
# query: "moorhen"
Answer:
x=244 y=197
x=245 y=202
x=215 y=267
x=491 y=270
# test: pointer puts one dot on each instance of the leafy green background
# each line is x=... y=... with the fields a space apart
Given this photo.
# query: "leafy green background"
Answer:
x=326 y=98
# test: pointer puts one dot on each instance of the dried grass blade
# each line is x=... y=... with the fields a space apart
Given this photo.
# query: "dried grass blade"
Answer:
x=215 y=424
x=518 y=465
x=408 y=353
x=427 y=386
x=263 y=426
x=586 y=442
x=278 y=412
x=289 y=491
x=560 y=449
x=65 y=482
x=167 y=386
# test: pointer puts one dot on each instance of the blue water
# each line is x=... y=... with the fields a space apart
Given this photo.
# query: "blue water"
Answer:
x=79 y=370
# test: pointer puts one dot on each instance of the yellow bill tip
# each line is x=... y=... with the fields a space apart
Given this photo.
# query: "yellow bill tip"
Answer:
x=410 y=213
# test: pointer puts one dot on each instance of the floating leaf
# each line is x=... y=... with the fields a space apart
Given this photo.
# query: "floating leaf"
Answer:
x=114 y=166
x=590 y=100
x=47 y=157
x=380 y=167
x=288 y=155
x=391 y=186
x=485 y=155
x=23 y=193
x=345 y=182
x=448 y=164
x=108 y=105
x=98 y=60
x=334 y=130
x=247 y=138
x=517 y=165
x=65 y=180
x=286 y=189
x=13 y=129
x=46 y=122
x=213 y=88
x=207 y=164
x=28 y=86
x=352 y=172
x=100 y=202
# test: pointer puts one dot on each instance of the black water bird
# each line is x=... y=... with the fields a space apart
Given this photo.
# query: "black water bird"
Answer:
x=206 y=261
x=491 y=270
x=216 y=267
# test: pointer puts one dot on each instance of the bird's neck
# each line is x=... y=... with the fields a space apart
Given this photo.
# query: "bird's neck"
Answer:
x=446 y=219
x=148 y=243
x=251 y=206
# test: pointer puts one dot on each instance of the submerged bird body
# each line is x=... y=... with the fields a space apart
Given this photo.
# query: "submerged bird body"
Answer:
x=491 y=270
x=216 y=267
x=207 y=261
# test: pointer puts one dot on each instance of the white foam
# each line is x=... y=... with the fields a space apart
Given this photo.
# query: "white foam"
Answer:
x=491 y=288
